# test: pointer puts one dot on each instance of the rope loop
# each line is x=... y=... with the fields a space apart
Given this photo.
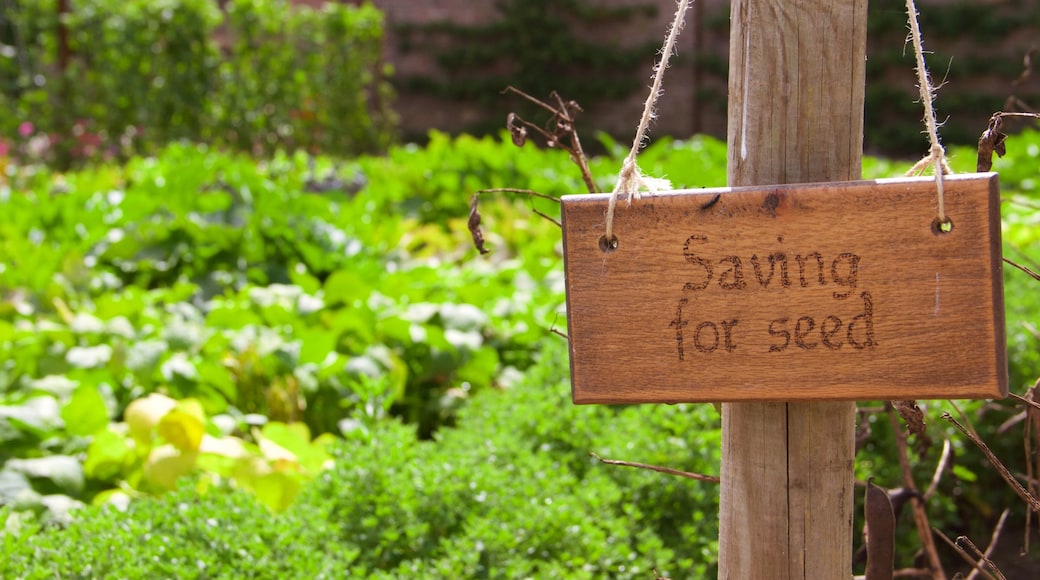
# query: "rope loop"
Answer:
x=936 y=154
x=631 y=181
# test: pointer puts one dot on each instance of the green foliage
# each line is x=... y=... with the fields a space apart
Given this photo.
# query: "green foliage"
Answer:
x=364 y=312
x=260 y=76
x=223 y=533
x=510 y=493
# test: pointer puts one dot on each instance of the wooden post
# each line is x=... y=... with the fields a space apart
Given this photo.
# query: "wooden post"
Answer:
x=796 y=90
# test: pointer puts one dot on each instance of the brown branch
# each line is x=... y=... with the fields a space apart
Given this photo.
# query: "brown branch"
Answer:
x=667 y=470
x=982 y=557
x=993 y=539
x=1024 y=400
x=1034 y=504
x=561 y=127
x=1011 y=422
x=578 y=155
x=1023 y=268
x=992 y=140
x=1032 y=329
x=964 y=418
x=944 y=462
x=519 y=191
x=912 y=573
x=475 y=218
x=536 y=101
x=967 y=557
x=1029 y=436
x=1021 y=253
x=920 y=516
x=553 y=330
x=473 y=223
x=547 y=217
x=1027 y=67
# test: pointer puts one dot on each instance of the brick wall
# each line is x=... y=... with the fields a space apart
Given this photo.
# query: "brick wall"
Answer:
x=678 y=109
x=695 y=88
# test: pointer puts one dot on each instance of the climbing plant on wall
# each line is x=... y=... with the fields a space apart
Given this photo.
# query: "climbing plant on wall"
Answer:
x=535 y=45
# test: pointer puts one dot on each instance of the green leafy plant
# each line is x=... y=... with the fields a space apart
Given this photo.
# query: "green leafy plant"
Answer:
x=247 y=306
x=259 y=75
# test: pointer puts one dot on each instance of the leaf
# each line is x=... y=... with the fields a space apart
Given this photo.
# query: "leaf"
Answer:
x=143 y=416
x=296 y=438
x=85 y=413
x=184 y=426
x=880 y=532
x=964 y=474
x=346 y=286
x=107 y=456
x=41 y=415
x=89 y=357
x=166 y=464
x=474 y=225
x=14 y=487
x=63 y=471
x=277 y=490
x=231 y=447
x=516 y=129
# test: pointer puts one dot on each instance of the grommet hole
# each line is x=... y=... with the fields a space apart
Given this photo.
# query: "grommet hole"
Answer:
x=940 y=227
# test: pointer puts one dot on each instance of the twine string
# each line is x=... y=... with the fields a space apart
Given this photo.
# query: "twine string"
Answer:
x=936 y=155
x=631 y=180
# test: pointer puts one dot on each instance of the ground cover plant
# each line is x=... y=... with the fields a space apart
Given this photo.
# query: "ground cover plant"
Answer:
x=300 y=366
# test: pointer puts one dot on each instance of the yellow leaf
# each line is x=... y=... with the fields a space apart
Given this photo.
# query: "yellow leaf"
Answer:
x=224 y=446
x=275 y=452
x=182 y=429
x=143 y=415
x=166 y=463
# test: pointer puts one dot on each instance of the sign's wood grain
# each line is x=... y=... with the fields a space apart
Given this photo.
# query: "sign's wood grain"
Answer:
x=832 y=291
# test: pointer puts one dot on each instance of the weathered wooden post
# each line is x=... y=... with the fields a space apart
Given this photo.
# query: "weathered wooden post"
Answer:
x=796 y=87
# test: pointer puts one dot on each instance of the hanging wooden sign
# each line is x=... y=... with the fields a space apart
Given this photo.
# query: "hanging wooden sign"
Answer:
x=849 y=291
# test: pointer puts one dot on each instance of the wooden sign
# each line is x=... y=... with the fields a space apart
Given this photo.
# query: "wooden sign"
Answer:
x=843 y=291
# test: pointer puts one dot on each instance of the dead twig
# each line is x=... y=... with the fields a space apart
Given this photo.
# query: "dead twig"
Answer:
x=1021 y=254
x=914 y=419
x=1027 y=67
x=1027 y=497
x=912 y=573
x=1032 y=330
x=983 y=559
x=553 y=329
x=474 y=225
x=993 y=141
x=880 y=532
x=1024 y=400
x=557 y=132
x=475 y=218
x=963 y=554
x=940 y=468
x=904 y=573
x=993 y=539
x=1024 y=269
x=1030 y=437
x=659 y=469
x=920 y=516
x=964 y=418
